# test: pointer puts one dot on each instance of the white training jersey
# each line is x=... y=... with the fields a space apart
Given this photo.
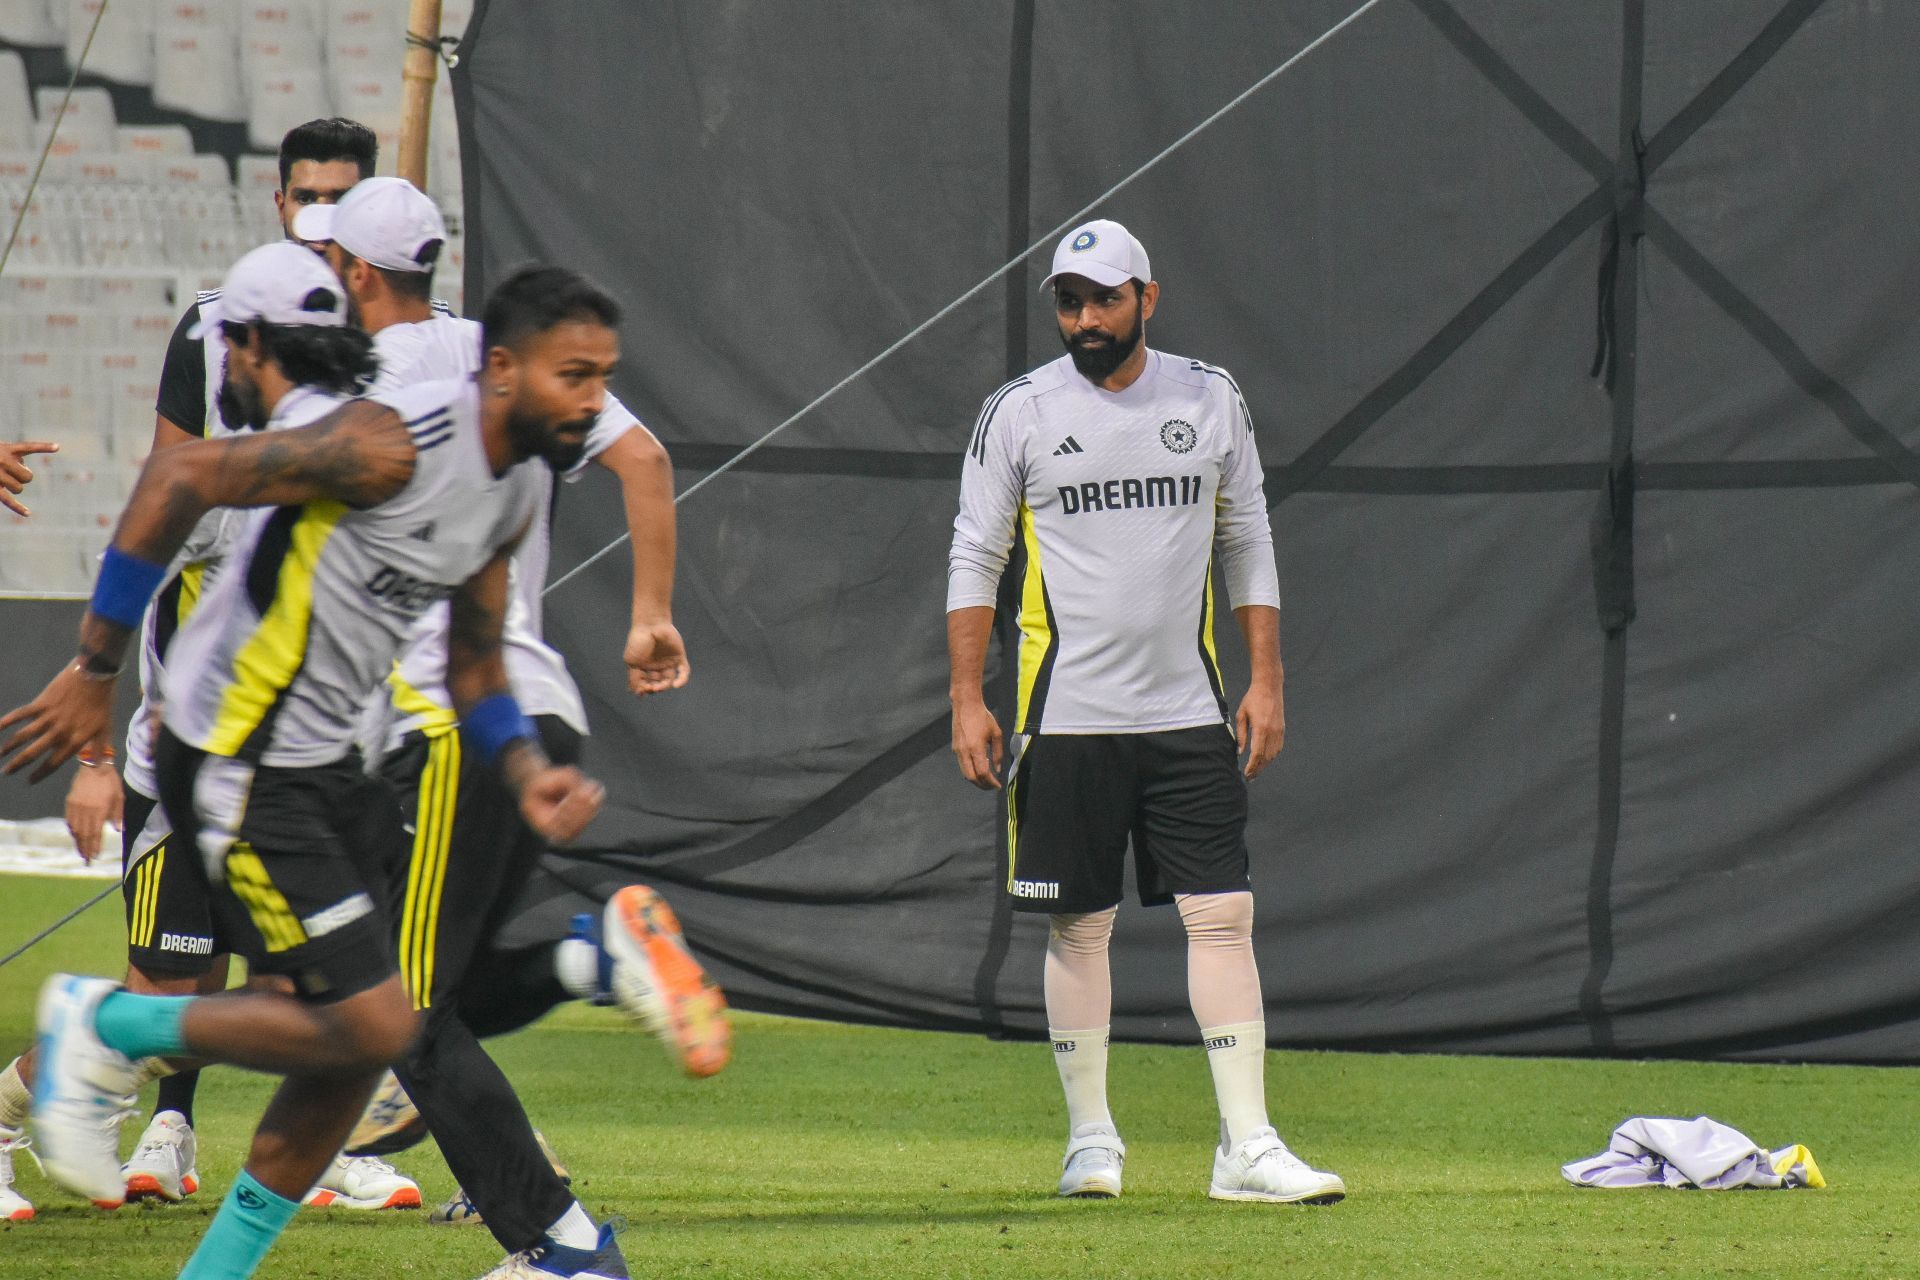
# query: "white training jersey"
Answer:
x=193 y=569
x=301 y=625
x=1122 y=502
x=449 y=347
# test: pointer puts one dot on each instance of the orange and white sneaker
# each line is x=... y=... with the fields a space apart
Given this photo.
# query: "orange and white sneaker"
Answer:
x=162 y=1165
x=363 y=1182
x=646 y=969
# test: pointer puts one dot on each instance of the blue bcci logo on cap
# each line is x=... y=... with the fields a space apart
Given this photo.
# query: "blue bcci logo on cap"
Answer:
x=1084 y=241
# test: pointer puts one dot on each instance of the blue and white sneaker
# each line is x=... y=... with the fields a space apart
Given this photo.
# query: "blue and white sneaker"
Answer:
x=82 y=1091
x=547 y=1260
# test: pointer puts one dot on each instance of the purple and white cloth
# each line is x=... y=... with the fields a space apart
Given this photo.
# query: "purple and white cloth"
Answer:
x=1702 y=1154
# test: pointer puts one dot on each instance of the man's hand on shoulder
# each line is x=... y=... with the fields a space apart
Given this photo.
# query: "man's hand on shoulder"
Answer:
x=15 y=475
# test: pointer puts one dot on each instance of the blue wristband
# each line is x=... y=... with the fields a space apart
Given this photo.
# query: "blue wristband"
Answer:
x=491 y=723
x=125 y=584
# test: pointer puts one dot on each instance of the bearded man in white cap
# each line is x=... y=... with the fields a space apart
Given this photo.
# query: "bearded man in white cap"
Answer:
x=1126 y=475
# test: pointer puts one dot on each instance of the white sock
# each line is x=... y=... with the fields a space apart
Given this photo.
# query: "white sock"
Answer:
x=576 y=962
x=1082 y=1059
x=574 y=1229
x=1237 y=1053
x=16 y=1100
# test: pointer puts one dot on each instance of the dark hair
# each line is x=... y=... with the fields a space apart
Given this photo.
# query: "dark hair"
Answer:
x=417 y=285
x=336 y=138
x=334 y=358
x=535 y=299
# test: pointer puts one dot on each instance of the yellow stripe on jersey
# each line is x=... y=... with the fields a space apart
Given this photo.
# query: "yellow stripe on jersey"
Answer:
x=272 y=916
x=1036 y=636
x=427 y=870
x=192 y=578
x=1206 y=635
x=435 y=720
x=271 y=657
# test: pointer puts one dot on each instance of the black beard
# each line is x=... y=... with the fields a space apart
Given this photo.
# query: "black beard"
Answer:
x=1098 y=363
x=238 y=409
x=532 y=438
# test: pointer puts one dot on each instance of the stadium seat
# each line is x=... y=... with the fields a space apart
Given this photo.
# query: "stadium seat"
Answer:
x=29 y=22
x=16 y=104
x=122 y=48
x=276 y=37
x=196 y=69
x=259 y=179
x=88 y=124
x=278 y=102
x=154 y=139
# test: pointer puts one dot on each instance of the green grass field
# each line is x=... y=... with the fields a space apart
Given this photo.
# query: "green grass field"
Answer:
x=845 y=1151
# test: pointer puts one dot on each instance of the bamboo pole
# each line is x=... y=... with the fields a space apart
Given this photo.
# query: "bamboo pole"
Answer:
x=417 y=75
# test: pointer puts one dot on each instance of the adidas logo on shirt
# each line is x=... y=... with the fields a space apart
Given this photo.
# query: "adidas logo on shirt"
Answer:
x=1069 y=445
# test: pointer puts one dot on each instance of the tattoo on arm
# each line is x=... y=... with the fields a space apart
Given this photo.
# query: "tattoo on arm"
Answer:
x=477 y=612
x=360 y=454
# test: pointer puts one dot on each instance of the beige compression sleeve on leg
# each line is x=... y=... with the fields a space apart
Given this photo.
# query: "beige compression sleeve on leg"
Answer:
x=1223 y=984
x=1079 y=993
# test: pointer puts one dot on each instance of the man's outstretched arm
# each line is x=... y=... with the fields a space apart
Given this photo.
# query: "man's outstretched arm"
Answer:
x=361 y=455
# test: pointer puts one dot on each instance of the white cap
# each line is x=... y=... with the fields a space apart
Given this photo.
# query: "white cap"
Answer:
x=278 y=283
x=385 y=221
x=1103 y=251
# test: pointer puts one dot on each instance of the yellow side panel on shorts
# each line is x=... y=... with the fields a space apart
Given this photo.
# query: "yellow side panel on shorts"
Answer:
x=271 y=657
x=1036 y=637
x=435 y=721
x=146 y=896
x=272 y=916
x=427 y=871
x=1013 y=824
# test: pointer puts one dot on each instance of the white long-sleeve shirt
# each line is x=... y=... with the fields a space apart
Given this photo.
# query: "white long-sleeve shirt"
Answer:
x=1122 y=501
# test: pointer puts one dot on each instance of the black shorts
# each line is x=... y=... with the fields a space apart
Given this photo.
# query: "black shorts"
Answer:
x=471 y=855
x=170 y=925
x=293 y=860
x=1075 y=799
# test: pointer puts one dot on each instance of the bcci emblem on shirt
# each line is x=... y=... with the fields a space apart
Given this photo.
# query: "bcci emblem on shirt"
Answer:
x=1178 y=436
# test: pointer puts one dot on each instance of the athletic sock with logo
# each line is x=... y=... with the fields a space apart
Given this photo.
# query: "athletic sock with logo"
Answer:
x=251 y=1218
x=1082 y=1059
x=16 y=1100
x=1237 y=1053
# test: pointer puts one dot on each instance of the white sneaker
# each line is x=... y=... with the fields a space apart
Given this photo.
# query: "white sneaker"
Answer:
x=1261 y=1168
x=13 y=1206
x=390 y=1123
x=1091 y=1169
x=548 y=1260
x=363 y=1182
x=162 y=1166
x=81 y=1092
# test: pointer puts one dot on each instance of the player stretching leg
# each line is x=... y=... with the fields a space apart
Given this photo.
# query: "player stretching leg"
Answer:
x=257 y=767
x=1125 y=473
x=171 y=949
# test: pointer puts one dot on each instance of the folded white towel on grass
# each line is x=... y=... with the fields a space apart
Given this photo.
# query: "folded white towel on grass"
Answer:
x=1703 y=1154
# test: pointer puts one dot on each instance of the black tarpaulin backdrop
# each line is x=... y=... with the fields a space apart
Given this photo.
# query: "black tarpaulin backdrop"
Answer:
x=1582 y=347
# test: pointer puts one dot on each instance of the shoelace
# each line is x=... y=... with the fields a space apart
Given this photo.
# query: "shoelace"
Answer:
x=7 y=1148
